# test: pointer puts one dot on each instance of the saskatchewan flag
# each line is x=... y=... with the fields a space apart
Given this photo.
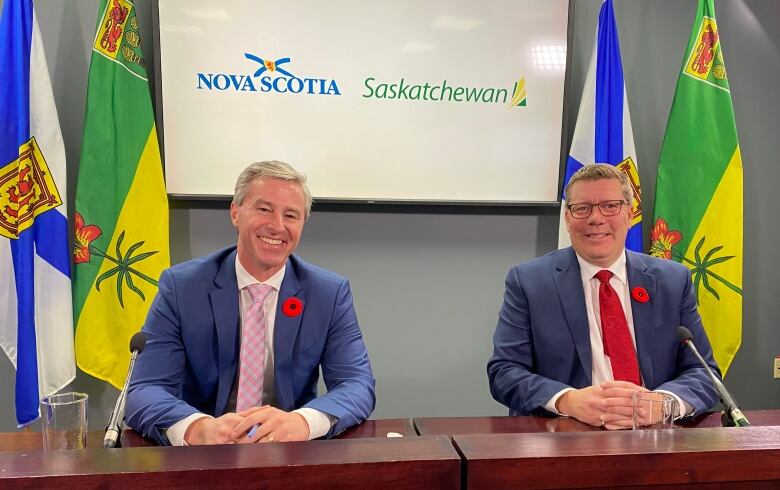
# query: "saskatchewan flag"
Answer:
x=121 y=215
x=698 y=201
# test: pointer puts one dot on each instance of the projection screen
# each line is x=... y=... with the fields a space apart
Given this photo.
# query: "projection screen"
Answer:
x=383 y=101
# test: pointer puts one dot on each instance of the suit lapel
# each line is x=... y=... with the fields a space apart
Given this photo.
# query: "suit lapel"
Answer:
x=642 y=313
x=225 y=308
x=285 y=332
x=568 y=281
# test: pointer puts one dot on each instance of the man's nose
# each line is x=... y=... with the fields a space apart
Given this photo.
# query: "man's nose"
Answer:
x=596 y=217
x=276 y=221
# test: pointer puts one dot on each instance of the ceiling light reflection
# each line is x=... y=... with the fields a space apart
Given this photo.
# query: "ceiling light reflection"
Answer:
x=549 y=57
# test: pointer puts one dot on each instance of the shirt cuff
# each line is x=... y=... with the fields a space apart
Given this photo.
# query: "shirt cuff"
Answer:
x=683 y=408
x=175 y=433
x=320 y=423
x=550 y=405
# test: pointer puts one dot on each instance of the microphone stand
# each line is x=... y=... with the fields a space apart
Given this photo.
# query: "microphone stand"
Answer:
x=111 y=439
x=732 y=416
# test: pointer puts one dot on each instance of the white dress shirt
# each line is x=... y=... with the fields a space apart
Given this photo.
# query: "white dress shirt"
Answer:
x=319 y=422
x=601 y=369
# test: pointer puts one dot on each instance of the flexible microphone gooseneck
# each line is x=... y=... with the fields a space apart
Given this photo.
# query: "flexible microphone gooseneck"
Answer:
x=137 y=344
x=733 y=415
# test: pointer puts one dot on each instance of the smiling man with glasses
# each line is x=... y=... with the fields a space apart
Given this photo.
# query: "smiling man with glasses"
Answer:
x=582 y=329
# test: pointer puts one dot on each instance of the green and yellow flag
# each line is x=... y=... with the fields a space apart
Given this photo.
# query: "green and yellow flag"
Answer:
x=121 y=215
x=698 y=199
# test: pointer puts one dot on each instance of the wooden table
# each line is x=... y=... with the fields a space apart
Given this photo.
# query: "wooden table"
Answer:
x=427 y=426
x=31 y=440
x=408 y=462
x=368 y=429
x=497 y=425
x=703 y=457
x=756 y=417
x=492 y=452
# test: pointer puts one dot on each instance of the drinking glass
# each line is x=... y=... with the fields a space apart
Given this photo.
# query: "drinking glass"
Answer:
x=64 y=421
x=652 y=410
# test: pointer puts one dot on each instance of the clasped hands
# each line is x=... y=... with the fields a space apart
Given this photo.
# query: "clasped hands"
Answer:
x=608 y=404
x=234 y=428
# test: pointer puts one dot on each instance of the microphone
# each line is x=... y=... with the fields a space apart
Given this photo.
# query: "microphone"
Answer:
x=732 y=413
x=137 y=344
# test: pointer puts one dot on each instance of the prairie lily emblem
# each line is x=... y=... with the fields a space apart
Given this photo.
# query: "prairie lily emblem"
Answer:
x=123 y=262
x=662 y=241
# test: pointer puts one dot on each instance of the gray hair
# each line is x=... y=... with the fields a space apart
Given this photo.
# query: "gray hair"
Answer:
x=599 y=171
x=272 y=169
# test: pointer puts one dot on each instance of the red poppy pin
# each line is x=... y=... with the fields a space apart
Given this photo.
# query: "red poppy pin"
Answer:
x=640 y=294
x=294 y=307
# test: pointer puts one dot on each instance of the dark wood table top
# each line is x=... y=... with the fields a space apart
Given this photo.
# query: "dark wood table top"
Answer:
x=379 y=428
x=620 y=459
x=427 y=426
x=756 y=417
x=408 y=462
x=492 y=452
x=31 y=440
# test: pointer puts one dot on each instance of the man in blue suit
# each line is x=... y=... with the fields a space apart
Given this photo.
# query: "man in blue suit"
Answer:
x=551 y=354
x=225 y=364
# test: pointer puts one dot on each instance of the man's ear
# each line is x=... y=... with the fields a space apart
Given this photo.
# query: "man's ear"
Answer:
x=233 y=213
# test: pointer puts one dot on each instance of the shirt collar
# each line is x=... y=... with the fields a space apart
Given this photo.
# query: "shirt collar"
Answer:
x=245 y=279
x=618 y=268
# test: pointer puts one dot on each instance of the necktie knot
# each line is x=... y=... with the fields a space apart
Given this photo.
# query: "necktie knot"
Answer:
x=258 y=292
x=604 y=276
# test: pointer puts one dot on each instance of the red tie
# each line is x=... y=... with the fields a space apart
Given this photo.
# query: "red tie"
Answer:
x=614 y=333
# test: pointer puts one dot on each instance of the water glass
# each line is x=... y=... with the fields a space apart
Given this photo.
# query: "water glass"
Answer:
x=64 y=421
x=652 y=410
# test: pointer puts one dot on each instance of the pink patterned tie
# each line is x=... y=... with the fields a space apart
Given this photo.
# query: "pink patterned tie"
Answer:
x=250 y=381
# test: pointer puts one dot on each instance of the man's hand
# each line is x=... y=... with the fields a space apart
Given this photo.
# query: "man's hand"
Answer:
x=208 y=430
x=585 y=405
x=275 y=426
x=607 y=405
x=618 y=396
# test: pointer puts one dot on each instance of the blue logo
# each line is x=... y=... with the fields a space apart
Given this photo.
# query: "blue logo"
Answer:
x=269 y=77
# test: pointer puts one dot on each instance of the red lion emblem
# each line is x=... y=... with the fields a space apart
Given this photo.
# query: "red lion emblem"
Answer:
x=22 y=193
x=705 y=51
x=113 y=27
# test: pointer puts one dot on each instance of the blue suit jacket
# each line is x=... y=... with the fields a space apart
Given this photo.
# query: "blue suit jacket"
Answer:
x=190 y=360
x=542 y=340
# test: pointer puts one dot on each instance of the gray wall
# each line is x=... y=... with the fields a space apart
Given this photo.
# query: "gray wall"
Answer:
x=427 y=286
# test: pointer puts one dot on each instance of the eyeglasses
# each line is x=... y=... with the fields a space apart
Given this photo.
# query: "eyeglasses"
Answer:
x=607 y=208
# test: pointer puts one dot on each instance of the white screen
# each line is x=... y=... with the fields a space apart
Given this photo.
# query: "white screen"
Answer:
x=344 y=55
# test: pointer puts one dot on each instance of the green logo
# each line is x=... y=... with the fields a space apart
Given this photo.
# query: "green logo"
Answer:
x=444 y=91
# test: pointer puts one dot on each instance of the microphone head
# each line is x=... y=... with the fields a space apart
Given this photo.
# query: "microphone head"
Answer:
x=138 y=342
x=684 y=334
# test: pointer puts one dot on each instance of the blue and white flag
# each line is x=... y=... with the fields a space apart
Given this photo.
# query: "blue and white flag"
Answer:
x=36 y=320
x=603 y=131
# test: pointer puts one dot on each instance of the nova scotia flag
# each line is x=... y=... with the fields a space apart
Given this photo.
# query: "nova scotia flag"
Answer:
x=603 y=130
x=36 y=320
